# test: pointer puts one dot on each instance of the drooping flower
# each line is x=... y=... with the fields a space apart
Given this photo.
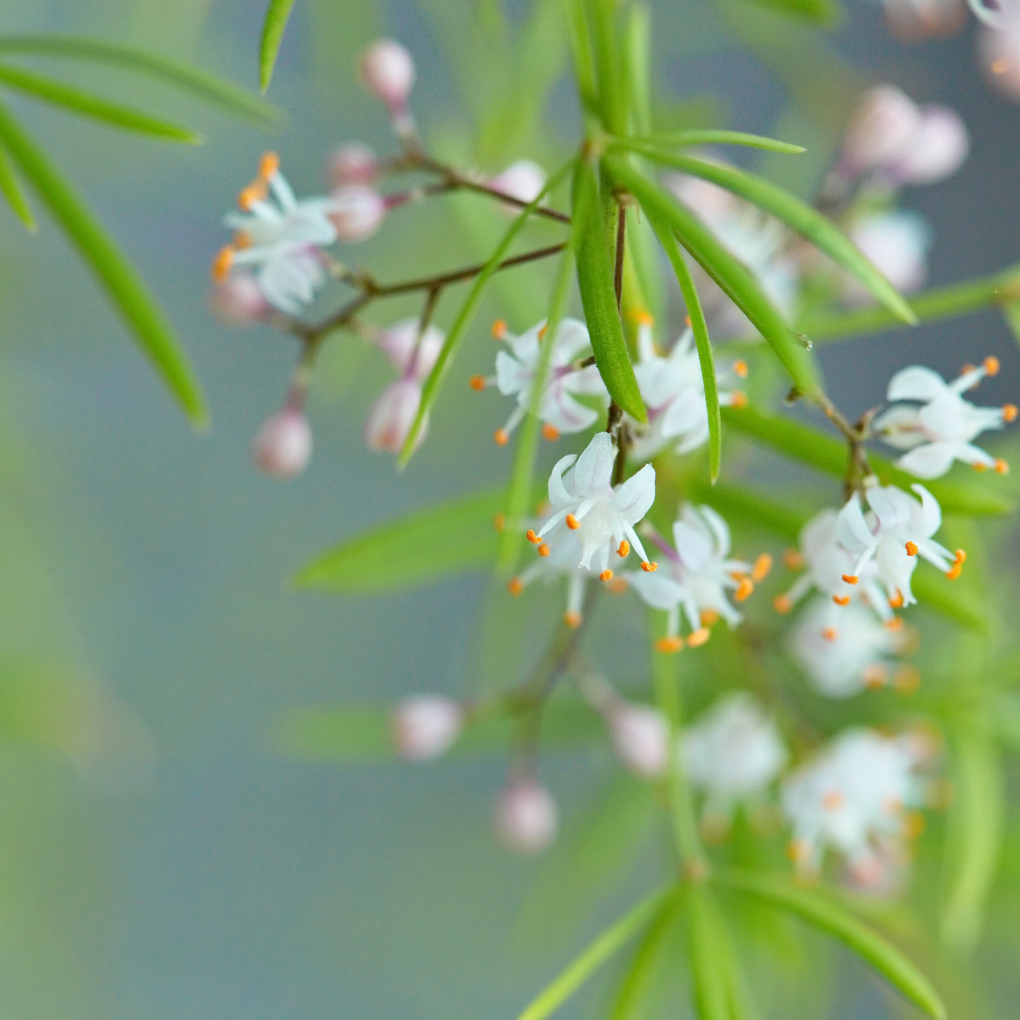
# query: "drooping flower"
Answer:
x=733 y=752
x=696 y=577
x=853 y=794
x=942 y=428
x=426 y=725
x=586 y=505
x=559 y=408
x=673 y=390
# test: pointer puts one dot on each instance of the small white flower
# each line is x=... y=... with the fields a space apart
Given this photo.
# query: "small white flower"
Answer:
x=351 y=163
x=238 y=300
x=999 y=54
x=560 y=562
x=523 y=180
x=407 y=352
x=939 y=148
x=733 y=752
x=283 y=446
x=357 y=211
x=559 y=408
x=851 y=795
x=640 y=737
x=696 y=576
x=392 y=415
x=919 y=19
x=881 y=129
x=896 y=243
x=426 y=725
x=586 y=505
x=673 y=390
x=526 y=816
x=387 y=70
x=941 y=430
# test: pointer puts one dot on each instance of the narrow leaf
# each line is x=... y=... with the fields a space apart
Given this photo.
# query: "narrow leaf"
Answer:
x=727 y=271
x=93 y=107
x=638 y=54
x=595 y=279
x=700 y=328
x=806 y=221
x=272 y=33
x=612 y=99
x=595 y=955
x=634 y=989
x=824 y=913
x=206 y=86
x=122 y=283
x=709 y=973
x=1011 y=316
x=678 y=139
x=12 y=192
x=454 y=338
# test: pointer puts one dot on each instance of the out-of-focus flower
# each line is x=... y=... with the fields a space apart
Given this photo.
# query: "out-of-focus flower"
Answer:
x=881 y=129
x=392 y=415
x=561 y=562
x=238 y=300
x=911 y=20
x=406 y=352
x=942 y=428
x=526 y=816
x=351 y=163
x=640 y=737
x=387 y=70
x=283 y=446
x=939 y=148
x=426 y=726
x=897 y=243
x=999 y=54
x=523 y=180
x=356 y=211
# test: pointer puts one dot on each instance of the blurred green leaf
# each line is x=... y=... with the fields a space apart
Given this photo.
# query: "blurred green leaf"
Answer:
x=277 y=14
x=821 y=12
x=819 y=910
x=709 y=970
x=630 y=1002
x=598 y=296
x=206 y=86
x=123 y=285
x=614 y=938
x=1011 y=315
x=93 y=107
x=799 y=216
x=670 y=139
x=638 y=61
x=430 y=391
x=12 y=192
x=612 y=97
x=727 y=271
x=700 y=329
x=584 y=59
x=952 y=599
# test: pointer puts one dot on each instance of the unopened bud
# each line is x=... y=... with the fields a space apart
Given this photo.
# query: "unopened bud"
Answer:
x=401 y=345
x=523 y=180
x=357 y=212
x=938 y=150
x=640 y=738
x=392 y=415
x=388 y=72
x=351 y=163
x=897 y=243
x=238 y=300
x=283 y=445
x=526 y=816
x=425 y=726
x=882 y=127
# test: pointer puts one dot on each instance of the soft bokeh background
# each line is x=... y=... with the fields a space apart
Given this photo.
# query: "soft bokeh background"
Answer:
x=159 y=856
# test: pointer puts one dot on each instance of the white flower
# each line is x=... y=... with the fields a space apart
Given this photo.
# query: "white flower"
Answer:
x=673 y=390
x=843 y=661
x=526 y=816
x=696 y=576
x=280 y=237
x=351 y=163
x=939 y=148
x=559 y=562
x=733 y=752
x=999 y=50
x=851 y=795
x=523 y=180
x=238 y=300
x=880 y=130
x=392 y=415
x=941 y=430
x=515 y=375
x=356 y=211
x=918 y=19
x=896 y=243
x=407 y=352
x=387 y=70
x=426 y=725
x=640 y=737
x=587 y=505
x=283 y=446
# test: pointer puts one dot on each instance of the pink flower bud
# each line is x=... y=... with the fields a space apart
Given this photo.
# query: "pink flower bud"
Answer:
x=526 y=816
x=999 y=54
x=425 y=726
x=283 y=445
x=881 y=129
x=392 y=415
x=938 y=150
x=357 y=212
x=640 y=738
x=351 y=163
x=897 y=243
x=912 y=20
x=388 y=72
x=400 y=343
x=238 y=300
x=523 y=180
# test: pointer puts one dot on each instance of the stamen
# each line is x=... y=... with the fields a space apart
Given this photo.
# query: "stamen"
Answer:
x=643 y=317
x=913 y=824
x=477 y=382
x=851 y=578
x=911 y=548
x=896 y=601
x=550 y=432
x=617 y=586
x=907 y=679
x=709 y=617
x=501 y=436
x=499 y=329
x=744 y=590
x=606 y=575
x=516 y=586
x=268 y=165
x=991 y=365
x=740 y=367
x=876 y=674
x=542 y=331
x=1000 y=66
x=698 y=637
x=242 y=240
x=499 y=522
x=738 y=399
x=572 y=619
x=782 y=603
x=830 y=633
x=572 y=522
x=980 y=467
x=833 y=800
x=762 y=566
x=532 y=537
x=649 y=568
x=1001 y=467
x=968 y=367
x=669 y=645
x=841 y=600
x=222 y=263
x=543 y=550
x=954 y=571
x=961 y=556
x=792 y=559
x=624 y=549
x=1009 y=412
x=255 y=192
x=894 y=623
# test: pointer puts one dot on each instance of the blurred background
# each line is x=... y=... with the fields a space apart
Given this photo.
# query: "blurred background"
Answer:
x=161 y=856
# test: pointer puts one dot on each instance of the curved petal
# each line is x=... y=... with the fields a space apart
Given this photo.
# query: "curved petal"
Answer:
x=693 y=544
x=892 y=506
x=929 y=517
x=526 y=347
x=558 y=494
x=571 y=342
x=511 y=376
x=656 y=590
x=719 y=528
x=585 y=381
x=930 y=460
x=916 y=383
x=635 y=497
x=946 y=417
x=593 y=472
x=900 y=426
x=852 y=531
x=568 y=415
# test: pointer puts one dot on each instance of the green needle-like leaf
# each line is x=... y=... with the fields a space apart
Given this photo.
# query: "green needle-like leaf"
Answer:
x=272 y=34
x=682 y=139
x=12 y=192
x=93 y=107
x=819 y=910
x=595 y=955
x=598 y=296
x=122 y=283
x=205 y=86
x=806 y=221
x=700 y=329
x=709 y=972
x=732 y=276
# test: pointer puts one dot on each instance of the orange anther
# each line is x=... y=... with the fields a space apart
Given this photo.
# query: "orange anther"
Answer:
x=896 y=601
x=698 y=637
x=532 y=537
x=643 y=317
x=606 y=575
x=550 y=432
x=954 y=571
x=911 y=548
x=242 y=240
x=499 y=329
x=477 y=382
x=907 y=679
x=543 y=550
x=709 y=617
x=894 y=623
x=572 y=619
x=798 y=850
x=851 y=578
x=268 y=165
x=876 y=675
x=738 y=399
x=1001 y=467
x=841 y=600
x=516 y=586
x=542 y=331
x=617 y=586
x=913 y=824
x=247 y=197
x=1009 y=412
x=687 y=321
x=979 y=466
x=649 y=568
x=740 y=367
x=833 y=800
x=572 y=522
x=830 y=634
x=501 y=436
x=222 y=263
x=991 y=365
x=762 y=566
x=499 y=522
x=624 y=548
x=1000 y=66
x=669 y=644
x=961 y=556
x=782 y=603
x=744 y=590
x=792 y=559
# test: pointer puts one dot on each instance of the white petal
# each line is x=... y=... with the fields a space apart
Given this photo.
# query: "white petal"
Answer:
x=900 y=426
x=916 y=383
x=929 y=520
x=511 y=376
x=656 y=590
x=931 y=460
x=571 y=342
x=852 y=531
x=635 y=497
x=892 y=506
x=558 y=495
x=565 y=413
x=594 y=469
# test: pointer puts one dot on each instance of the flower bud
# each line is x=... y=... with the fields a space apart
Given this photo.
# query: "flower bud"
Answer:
x=999 y=54
x=388 y=72
x=400 y=344
x=426 y=726
x=351 y=163
x=640 y=738
x=283 y=445
x=882 y=127
x=526 y=816
x=238 y=300
x=357 y=212
x=897 y=243
x=392 y=415
x=911 y=20
x=938 y=149
x=523 y=180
